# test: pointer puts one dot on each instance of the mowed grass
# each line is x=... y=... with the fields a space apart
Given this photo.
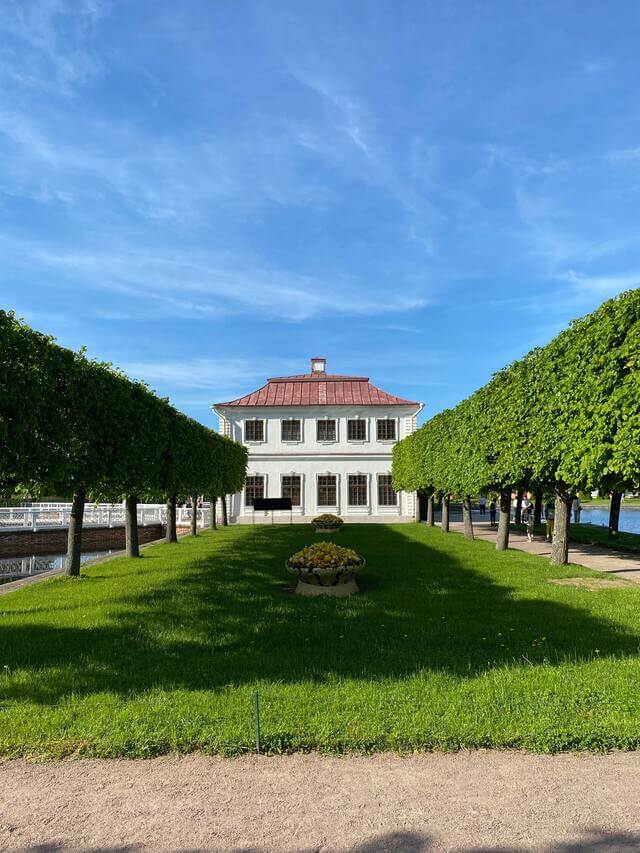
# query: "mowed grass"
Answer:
x=450 y=645
x=595 y=535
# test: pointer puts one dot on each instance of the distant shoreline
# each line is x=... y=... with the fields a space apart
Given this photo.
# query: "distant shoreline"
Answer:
x=605 y=505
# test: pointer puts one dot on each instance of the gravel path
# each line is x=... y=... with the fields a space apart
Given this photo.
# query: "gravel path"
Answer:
x=476 y=801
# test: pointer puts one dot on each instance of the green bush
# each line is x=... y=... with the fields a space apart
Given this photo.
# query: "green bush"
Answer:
x=327 y=520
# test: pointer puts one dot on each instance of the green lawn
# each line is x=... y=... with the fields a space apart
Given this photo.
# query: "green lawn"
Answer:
x=596 y=535
x=451 y=644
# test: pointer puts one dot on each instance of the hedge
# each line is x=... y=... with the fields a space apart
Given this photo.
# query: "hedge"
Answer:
x=76 y=427
x=562 y=420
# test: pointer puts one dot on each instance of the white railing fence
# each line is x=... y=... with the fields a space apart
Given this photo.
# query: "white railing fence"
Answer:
x=53 y=516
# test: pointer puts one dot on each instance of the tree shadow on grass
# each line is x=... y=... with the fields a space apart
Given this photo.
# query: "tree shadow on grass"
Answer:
x=221 y=619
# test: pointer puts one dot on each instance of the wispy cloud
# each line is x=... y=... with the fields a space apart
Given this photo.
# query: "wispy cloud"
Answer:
x=157 y=179
x=355 y=130
x=602 y=286
x=204 y=285
x=624 y=156
x=44 y=320
x=556 y=228
x=223 y=378
x=52 y=43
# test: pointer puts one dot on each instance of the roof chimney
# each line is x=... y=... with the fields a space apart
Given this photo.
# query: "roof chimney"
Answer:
x=318 y=365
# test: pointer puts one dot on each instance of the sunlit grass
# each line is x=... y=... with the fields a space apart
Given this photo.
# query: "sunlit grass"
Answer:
x=450 y=645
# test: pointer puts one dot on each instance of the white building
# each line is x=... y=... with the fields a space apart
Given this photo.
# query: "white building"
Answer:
x=324 y=441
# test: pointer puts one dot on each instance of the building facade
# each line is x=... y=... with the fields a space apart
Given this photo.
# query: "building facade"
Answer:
x=323 y=440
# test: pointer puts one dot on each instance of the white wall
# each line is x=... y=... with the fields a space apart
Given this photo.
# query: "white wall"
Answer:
x=273 y=417
x=272 y=458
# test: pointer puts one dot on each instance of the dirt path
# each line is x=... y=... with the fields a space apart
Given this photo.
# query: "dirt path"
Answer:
x=627 y=566
x=466 y=802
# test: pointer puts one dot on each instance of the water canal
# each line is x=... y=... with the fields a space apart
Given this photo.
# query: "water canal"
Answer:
x=15 y=568
x=629 y=517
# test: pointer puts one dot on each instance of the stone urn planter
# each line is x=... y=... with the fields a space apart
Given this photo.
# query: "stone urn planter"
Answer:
x=325 y=569
x=327 y=523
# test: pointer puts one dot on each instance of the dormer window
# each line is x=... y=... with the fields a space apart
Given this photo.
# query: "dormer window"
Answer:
x=318 y=365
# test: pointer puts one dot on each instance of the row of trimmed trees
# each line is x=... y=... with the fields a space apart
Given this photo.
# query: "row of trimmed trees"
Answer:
x=562 y=420
x=74 y=427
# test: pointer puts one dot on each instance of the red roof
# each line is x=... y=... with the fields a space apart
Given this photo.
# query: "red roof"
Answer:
x=319 y=389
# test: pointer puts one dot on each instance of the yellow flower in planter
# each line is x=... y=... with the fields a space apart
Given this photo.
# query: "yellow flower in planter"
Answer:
x=326 y=569
x=325 y=555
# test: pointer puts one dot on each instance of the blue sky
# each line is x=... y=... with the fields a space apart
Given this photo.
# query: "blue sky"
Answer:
x=208 y=193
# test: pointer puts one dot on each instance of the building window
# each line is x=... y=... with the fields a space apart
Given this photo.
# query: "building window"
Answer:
x=291 y=488
x=386 y=429
x=254 y=430
x=357 y=429
x=291 y=430
x=253 y=488
x=326 y=430
x=386 y=495
x=327 y=490
x=357 y=489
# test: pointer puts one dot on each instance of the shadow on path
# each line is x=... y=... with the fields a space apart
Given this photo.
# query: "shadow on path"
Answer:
x=594 y=841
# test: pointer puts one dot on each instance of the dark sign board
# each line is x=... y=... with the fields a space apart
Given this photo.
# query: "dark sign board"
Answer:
x=271 y=503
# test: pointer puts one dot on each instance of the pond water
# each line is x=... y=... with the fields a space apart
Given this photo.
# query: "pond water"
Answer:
x=629 y=517
x=13 y=568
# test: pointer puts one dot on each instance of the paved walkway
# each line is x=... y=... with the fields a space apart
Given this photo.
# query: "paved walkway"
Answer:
x=592 y=556
x=478 y=801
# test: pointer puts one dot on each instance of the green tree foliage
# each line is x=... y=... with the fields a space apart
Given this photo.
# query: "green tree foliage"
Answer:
x=72 y=426
x=564 y=419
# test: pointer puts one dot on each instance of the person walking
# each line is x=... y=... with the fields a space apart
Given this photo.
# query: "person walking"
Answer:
x=482 y=504
x=529 y=520
x=492 y=512
x=576 y=507
x=550 y=515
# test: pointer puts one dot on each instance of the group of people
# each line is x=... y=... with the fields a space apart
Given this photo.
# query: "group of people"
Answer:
x=528 y=513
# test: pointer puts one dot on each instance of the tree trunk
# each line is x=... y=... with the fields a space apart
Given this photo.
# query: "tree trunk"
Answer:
x=560 y=545
x=444 y=525
x=518 y=513
x=74 y=536
x=225 y=520
x=214 y=502
x=614 y=512
x=430 y=521
x=467 y=517
x=537 y=508
x=172 y=534
x=416 y=507
x=194 y=516
x=502 y=539
x=131 y=526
